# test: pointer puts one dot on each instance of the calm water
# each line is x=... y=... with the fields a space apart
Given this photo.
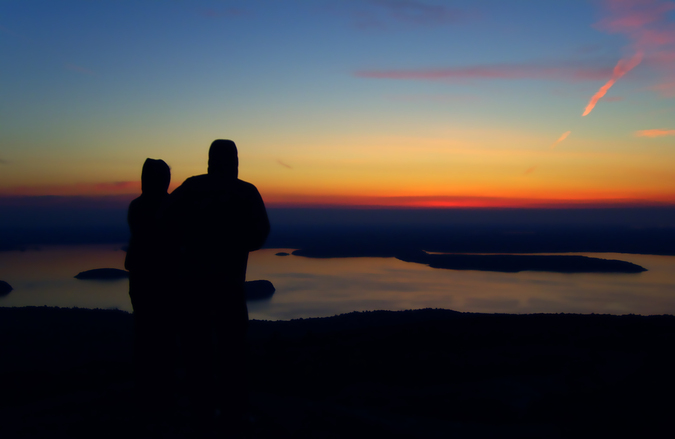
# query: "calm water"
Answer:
x=324 y=287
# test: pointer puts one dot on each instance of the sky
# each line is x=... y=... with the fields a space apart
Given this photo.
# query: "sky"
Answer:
x=407 y=103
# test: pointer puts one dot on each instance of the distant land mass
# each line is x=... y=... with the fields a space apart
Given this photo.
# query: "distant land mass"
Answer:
x=5 y=288
x=259 y=290
x=517 y=263
x=31 y=221
x=500 y=263
x=103 y=274
x=255 y=289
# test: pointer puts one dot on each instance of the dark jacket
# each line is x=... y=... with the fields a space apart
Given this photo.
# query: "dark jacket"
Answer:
x=218 y=221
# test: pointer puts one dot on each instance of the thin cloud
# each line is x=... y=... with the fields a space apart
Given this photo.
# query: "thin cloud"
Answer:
x=4 y=162
x=225 y=13
x=101 y=188
x=650 y=32
x=117 y=186
x=491 y=72
x=623 y=66
x=655 y=133
x=284 y=164
x=381 y=14
x=7 y=31
x=529 y=170
x=666 y=89
x=436 y=98
x=78 y=69
x=420 y=13
x=561 y=138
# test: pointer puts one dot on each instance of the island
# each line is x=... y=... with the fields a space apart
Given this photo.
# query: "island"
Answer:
x=259 y=290
x=5 y=288
x=505 y=263
x=255 y=289
x=282 y=254
x=103 y=274
x=518 y=263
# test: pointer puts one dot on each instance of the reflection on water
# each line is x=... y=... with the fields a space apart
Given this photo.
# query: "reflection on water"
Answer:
x=323 y=287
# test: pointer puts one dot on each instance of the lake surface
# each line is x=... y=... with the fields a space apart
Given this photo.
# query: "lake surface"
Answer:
x=324 y=287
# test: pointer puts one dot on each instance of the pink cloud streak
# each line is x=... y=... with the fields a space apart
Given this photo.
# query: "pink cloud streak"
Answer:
x=622 y=67
x=499 y=71
x=655 y=133
x=561 y=138
x=646 y=24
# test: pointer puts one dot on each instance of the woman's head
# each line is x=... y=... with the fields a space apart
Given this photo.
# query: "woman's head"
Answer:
x=155 y=177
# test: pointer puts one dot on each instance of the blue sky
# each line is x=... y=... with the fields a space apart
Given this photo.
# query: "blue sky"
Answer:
x=339 y=98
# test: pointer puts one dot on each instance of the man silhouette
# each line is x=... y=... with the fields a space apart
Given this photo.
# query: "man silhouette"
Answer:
x=219 y=220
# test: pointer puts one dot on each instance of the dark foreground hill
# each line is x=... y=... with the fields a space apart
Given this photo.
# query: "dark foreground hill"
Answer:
x=410 y=374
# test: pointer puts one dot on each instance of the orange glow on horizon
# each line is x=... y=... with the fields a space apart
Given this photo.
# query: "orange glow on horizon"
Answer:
x=445 y=202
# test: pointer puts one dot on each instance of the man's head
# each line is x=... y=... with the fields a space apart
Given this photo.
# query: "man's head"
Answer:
x=223 y=158
x=155 y=177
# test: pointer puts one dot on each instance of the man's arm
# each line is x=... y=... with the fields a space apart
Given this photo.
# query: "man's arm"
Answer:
x=259 y=226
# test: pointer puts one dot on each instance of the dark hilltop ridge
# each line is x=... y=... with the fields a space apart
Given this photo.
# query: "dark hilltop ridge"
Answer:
x=501 y=263
x=5 y=288
x=410 y=374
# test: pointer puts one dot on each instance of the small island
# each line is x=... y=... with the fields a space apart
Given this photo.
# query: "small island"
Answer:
x=282 y=254
x=103 y=274
x=518 y=263
x=5 y=288
x=255 y=289
x=259 y=290
x=505 y=263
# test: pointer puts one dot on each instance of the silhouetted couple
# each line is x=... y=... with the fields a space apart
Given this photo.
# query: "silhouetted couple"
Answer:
x=187 y=261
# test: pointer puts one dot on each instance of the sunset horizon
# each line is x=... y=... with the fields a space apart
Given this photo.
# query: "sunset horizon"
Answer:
x=401 y=103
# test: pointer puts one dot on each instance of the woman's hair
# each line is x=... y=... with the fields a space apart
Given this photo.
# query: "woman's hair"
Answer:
x=155 y=177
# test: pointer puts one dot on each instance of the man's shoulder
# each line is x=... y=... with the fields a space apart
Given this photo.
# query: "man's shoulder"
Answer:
x=245 y=185
x=194 y=182
x=197 y=179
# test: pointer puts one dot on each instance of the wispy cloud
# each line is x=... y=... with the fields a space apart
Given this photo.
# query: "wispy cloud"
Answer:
x=440 y=98
x=623 y=66
x=655 y=133
x=224 y=13
x=117 y=186
x=101 y=188
x=491 y=72
x=666 y=89
x=4 y=162
x=284 y=164
x=3 y=29
x=78 y=69
x=380 y=14
x=530 y=170
x=561 y=138
x=650 y=32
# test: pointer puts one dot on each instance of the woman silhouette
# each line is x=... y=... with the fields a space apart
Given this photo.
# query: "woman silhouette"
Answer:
x=151 y=289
